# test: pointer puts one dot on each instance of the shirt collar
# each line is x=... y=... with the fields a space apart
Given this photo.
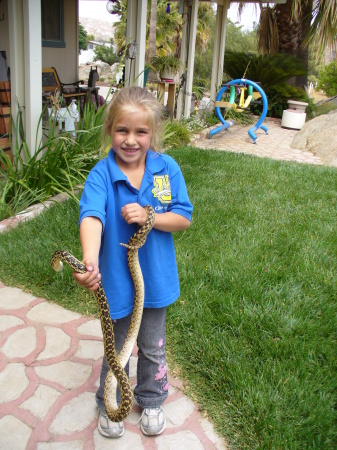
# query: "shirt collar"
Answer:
x=154 y=164
x=115 y=172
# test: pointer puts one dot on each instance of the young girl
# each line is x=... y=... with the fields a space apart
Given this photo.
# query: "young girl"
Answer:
x=111 y=210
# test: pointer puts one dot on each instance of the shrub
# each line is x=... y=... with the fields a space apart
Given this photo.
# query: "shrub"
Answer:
x=106 y=53
x=210 y=118
x=328 y=79
x=194 y=123
x=82 y=38
x=159 y=63
x=239 y=118
x=324 y=108
x=176 y=134
x=59 y=163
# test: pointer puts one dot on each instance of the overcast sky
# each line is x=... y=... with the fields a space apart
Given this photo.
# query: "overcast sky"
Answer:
x=97 y=10
x=249 y=15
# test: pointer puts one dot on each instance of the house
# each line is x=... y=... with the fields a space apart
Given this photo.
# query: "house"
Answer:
x=36 y=34
x=87 y=56
x=44 y=33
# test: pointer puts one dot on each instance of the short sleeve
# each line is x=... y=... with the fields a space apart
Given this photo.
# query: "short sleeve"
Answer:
x=93 y=201
x=180 y=203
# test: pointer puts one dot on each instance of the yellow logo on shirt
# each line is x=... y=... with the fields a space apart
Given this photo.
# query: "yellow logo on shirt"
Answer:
x=162 y=188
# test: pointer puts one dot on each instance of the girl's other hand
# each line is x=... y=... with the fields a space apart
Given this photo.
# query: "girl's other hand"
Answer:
x=134 y=213
x=90 y=279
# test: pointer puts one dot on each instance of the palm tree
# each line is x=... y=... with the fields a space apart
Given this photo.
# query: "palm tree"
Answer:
x=151 y=48
x=290 y=27
x=205 y=15
x=167 y=26
x=293 y=27
x=160 y=26
x=165 y=29
x=324 y=25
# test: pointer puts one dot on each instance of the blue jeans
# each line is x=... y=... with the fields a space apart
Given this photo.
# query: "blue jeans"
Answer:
x=152 y=387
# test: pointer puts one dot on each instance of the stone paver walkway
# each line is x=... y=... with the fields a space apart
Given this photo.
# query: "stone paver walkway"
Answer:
x=50 y=362
x=274 y=145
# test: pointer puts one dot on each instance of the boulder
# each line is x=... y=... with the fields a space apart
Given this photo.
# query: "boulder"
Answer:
x=83 y=71
x=103 y=68
x=319 y=136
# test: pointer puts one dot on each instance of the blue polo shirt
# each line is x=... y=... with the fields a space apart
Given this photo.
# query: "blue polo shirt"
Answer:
x=106 y=191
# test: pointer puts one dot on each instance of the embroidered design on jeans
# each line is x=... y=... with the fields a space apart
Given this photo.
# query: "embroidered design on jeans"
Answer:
x=161 y=372
x=161 y=375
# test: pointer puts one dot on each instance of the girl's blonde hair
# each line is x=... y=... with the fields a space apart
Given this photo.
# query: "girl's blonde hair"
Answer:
x=128 y=100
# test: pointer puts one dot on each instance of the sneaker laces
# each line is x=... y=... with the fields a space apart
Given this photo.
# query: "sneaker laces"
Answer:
x=152 y=409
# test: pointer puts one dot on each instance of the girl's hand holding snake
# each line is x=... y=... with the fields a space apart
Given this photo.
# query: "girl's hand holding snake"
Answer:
x=134 y=213
x=90 y=279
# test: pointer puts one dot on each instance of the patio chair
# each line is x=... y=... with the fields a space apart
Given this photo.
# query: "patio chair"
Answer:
x=69 y=91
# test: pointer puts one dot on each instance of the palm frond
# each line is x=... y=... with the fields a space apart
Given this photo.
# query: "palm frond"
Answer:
x=324 y=24
x=267 y=32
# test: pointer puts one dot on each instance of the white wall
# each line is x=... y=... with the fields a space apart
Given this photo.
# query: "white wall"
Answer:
x=65 y=60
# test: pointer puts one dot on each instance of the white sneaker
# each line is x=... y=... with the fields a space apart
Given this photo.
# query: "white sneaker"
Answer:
x=152 y=421
x=109 y=429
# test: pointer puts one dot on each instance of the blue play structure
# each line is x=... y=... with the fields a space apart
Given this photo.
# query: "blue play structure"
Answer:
x=242 y=84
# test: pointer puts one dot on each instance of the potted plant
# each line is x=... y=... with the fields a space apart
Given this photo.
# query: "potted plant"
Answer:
x=167 y=66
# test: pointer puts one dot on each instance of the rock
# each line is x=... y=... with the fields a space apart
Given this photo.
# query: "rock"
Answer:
x=83 y=71
x=104 y=69
x=319 y=136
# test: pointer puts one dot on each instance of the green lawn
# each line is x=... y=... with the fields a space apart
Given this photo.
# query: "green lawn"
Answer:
x=253 y=334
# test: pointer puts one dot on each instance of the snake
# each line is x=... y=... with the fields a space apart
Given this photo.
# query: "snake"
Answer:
x=116 y=373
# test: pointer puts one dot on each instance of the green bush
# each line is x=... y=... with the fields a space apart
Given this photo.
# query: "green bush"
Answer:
x=82 y=38
x=176 y=134
x=239 y=118
x=106 y=53
x=194 y=123
x=199 y=87
x=210 y=118
x=328 y=79
x=325 y=108
x=311 y=108
x=59 y=163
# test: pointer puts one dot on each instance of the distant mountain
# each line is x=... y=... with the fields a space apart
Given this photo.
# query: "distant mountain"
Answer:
x=101 y=29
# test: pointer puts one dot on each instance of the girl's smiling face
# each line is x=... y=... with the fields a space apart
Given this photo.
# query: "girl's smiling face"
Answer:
x=130 y=138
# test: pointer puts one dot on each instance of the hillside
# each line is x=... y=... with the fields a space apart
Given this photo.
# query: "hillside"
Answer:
x=101 y=29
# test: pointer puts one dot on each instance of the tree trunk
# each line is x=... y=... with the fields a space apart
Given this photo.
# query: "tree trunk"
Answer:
x=151 y=49
x=292 y=31
x=303 y=51
x=288 y=28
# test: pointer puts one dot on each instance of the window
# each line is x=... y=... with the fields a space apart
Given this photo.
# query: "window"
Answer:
x=52 y=16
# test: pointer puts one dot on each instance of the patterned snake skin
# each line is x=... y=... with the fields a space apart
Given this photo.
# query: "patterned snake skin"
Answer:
x=116 y=373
